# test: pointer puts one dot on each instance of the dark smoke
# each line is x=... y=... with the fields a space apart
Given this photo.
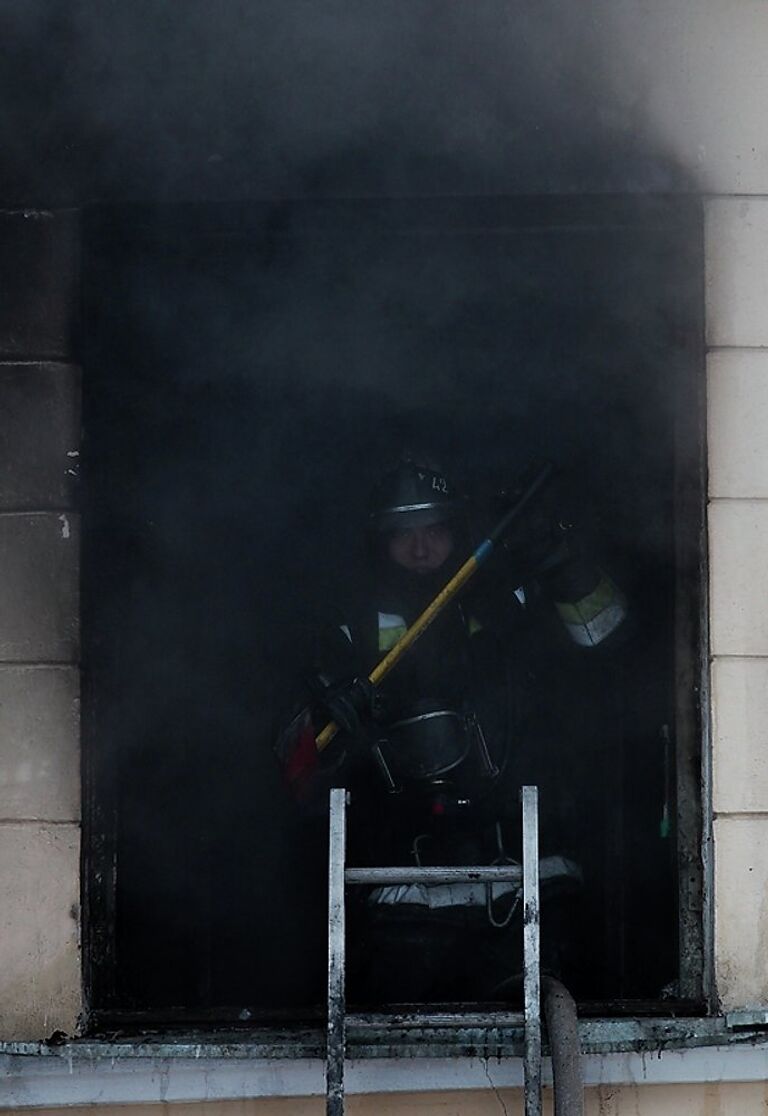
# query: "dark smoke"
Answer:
x=250 y=364
x=230 y=100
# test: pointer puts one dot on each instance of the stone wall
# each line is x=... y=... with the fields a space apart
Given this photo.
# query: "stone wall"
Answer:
x=39 y=617
x=737 y=336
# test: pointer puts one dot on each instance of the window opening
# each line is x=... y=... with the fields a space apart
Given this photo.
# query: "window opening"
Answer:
x=247 y=372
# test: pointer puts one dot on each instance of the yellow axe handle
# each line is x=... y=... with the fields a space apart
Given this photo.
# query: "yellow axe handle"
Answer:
x=408 y=638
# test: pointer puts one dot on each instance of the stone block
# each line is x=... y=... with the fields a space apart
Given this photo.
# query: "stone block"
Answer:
x=40 y=985
x=737 y=423
x=39 y=266
x=714 y=1098
x=738 y=544
x=737 y=271
x=39 y=435
x=694 y=71
x=740 y=735
x=741 y=911
x=39 y=605
x=39 y=743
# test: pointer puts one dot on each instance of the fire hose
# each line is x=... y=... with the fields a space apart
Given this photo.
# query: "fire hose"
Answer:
x=565 y=1047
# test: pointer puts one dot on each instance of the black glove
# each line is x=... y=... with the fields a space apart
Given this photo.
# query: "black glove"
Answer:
x=554 y=553
x=350 y=703
x=544 y=545
x=537 y=544
x=571 y=575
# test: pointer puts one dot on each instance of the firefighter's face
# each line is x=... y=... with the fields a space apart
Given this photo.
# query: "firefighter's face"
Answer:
x=421 y=549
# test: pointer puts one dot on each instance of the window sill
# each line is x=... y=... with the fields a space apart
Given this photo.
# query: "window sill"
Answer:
x=239 y=1065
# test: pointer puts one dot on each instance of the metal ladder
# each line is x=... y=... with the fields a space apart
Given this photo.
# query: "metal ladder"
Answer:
x=338 y=878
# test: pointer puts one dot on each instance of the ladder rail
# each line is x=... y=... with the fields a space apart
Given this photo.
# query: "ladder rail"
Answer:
x=337 y=1036
x=529 y=797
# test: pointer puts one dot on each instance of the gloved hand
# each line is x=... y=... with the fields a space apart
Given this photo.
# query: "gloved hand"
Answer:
x=539 y=542
x=350 y=703
x=553 y=552
x=543 y=544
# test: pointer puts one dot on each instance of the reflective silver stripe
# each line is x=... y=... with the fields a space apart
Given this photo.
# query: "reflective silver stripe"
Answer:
x=589 y=633
x=520 y=594
x=397 y=508
x=390 y=620
x=427 y=717
x=391 y=627
x=436 y=896
x=559 y=867
x=345 y=629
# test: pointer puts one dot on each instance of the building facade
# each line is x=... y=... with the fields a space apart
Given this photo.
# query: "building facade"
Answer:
x=706 y=98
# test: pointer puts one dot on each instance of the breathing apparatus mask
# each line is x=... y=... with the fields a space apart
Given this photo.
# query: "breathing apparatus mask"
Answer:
x=435 y=751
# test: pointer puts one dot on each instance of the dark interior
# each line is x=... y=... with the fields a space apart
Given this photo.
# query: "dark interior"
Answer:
x=248 y=370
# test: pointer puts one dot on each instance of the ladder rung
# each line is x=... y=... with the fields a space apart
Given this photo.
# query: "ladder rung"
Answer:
x=506 y=873
x=371 y=1021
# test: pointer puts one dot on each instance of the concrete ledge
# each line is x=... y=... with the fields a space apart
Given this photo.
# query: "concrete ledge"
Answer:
x=64 y=1080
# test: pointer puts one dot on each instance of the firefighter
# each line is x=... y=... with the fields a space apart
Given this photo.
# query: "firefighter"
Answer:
x=434 y=758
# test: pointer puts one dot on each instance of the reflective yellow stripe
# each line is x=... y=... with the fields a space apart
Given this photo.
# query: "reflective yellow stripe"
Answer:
x=581 y=612
x=388 y=637
x=391 y=628
x=592 y=619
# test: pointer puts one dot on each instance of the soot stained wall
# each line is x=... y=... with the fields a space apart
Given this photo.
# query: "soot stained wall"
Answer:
x=39 y=622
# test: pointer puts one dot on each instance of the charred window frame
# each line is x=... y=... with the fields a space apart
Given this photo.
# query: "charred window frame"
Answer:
x=203 y=236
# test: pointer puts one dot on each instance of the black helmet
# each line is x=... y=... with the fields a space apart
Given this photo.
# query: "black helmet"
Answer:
x=413 y=494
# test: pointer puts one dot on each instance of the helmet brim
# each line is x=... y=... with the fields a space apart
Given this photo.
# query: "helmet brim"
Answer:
x=405 y=516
